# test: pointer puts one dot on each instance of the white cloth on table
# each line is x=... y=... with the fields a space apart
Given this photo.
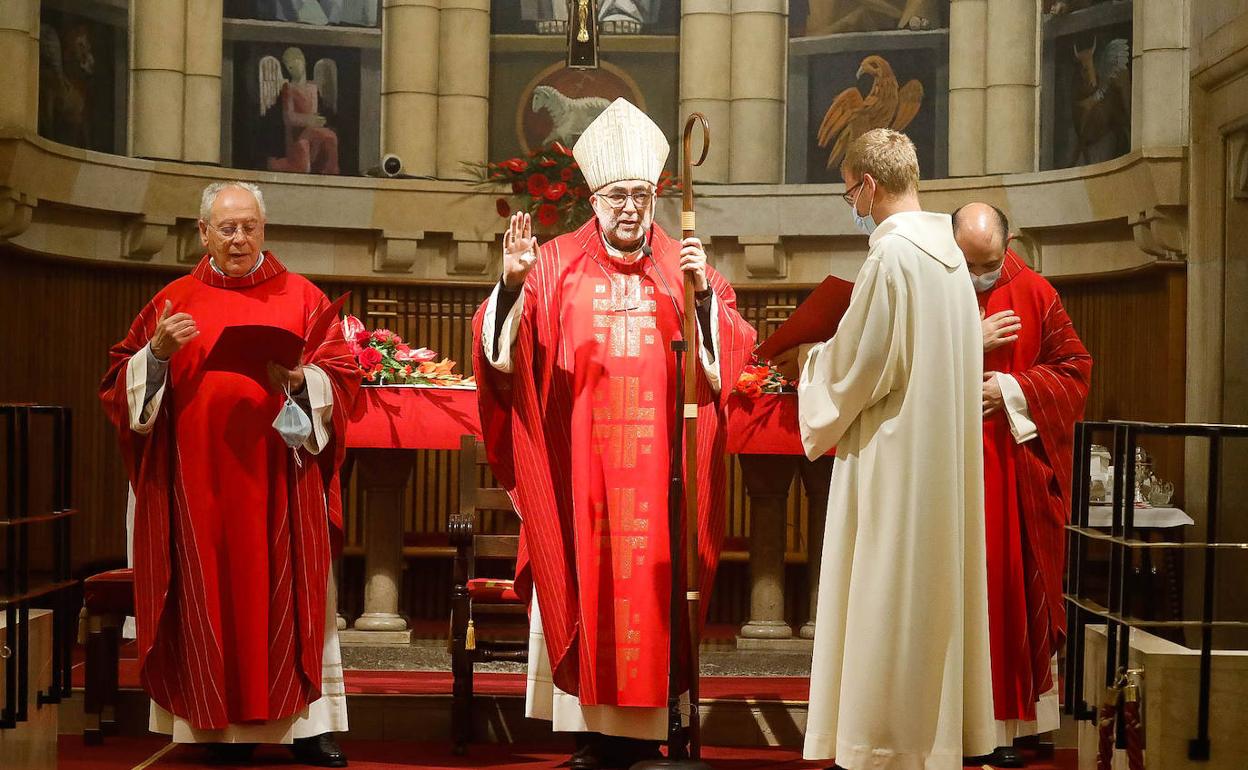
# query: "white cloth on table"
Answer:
x=1147 y=518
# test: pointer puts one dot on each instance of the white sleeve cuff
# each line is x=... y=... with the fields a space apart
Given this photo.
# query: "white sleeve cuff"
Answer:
x=321 y=401
x=1016 y=411
x=142 y=415
x=500 y=359
x=710 y=363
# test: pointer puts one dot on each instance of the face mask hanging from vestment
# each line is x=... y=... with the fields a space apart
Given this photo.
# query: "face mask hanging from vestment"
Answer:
x=292 y=423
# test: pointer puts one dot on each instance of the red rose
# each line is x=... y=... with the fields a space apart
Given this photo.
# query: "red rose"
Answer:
x=504 y=210
x=370 y=357
x=517 y=165
x=547 y=214
x=556 y=191
x=538 y=184
x=517 y=187
x=566 y=174
x=362 y=338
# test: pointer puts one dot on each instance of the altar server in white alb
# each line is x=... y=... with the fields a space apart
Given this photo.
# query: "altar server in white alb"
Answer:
x=901 y=678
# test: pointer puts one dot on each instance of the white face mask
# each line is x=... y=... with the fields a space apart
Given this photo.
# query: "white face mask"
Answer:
x=292 y=423
x=986 y=281
x=864 y=223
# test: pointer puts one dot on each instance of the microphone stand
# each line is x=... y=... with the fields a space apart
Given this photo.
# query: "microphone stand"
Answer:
x=684 y=747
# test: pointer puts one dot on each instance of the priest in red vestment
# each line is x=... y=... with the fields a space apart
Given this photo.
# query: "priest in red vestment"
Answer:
x=577 y=392
x=237 y=499
x=1036 y=374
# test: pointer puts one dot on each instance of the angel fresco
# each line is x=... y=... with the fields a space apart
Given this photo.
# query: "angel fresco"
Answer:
x=310 y=145
x=887 y=105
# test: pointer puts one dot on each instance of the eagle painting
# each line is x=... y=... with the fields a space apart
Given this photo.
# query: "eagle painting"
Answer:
x=887 y=105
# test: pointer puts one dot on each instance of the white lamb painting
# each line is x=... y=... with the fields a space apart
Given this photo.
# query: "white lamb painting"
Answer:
x=569 y=117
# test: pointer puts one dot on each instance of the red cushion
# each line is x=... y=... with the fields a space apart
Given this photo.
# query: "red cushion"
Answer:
x=110 y=593
x=493 y=591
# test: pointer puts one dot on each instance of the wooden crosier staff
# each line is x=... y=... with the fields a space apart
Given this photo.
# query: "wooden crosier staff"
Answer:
x=693 y=572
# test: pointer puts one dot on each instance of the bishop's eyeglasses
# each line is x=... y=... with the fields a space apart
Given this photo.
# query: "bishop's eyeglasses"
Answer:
x=617 y=200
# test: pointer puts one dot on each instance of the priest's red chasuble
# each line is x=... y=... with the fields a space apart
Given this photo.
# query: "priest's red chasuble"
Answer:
x=579 y=433
x=1027 y=487
x=232 y=534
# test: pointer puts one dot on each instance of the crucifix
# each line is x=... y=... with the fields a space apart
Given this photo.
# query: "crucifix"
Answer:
x=583 y=34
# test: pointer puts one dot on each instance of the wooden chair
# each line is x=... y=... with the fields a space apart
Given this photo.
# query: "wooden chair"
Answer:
x=107 y=599
x=479 y=601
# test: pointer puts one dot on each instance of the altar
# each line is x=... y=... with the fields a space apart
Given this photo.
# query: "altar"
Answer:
x=390 y=424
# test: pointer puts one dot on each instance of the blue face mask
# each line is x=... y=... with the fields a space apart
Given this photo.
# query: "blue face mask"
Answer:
x=292 y=424
x=864 y=223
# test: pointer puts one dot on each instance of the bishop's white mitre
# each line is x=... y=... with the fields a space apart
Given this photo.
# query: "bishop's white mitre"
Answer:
x=621 y=143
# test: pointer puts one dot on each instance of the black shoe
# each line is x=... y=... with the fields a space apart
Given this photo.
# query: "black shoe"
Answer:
x=319 y=751
x=1007 y=756
x=589 y=752
x=229 y=753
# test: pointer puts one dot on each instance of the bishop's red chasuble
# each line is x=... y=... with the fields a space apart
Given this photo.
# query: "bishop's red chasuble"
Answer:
x=232 y=534
x=579 y=434
x=1027 y=487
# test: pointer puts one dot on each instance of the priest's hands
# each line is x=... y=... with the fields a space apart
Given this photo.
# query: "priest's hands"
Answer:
x=789 y=363
x=1000 y=329
x=172 y=332
x=693 y=262
x=519 y=250
x=993 y=400
x=286 y=379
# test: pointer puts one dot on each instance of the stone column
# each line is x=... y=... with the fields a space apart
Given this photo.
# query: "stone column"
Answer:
x=1160 y=74
x=157 y=58
x=463 y=86
x=19 y=61
x=383 y=474
x=1012 y=83
x=816 y=478
x=409 y=83
x=706 y=78
x=201 y=98
x=759 y=52
x=767 y=481
x=968 y=28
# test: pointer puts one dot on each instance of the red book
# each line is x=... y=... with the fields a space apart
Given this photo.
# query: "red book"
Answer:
x=815 y=320
x=247 y=349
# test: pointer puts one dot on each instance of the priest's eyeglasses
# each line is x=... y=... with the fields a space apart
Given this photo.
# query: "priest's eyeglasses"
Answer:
x=848 y=195
x=617 y=200
x=229 y=229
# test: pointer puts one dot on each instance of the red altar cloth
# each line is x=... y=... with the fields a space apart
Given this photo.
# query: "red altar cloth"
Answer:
x=434 y=418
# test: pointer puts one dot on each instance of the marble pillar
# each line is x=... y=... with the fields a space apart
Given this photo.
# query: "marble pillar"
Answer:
x=767 y=480
x=201 y=98
x=463 y=86
x=157 y=59
x=968 y=20
x=706 y=78
x=409 y=83
x=1160 y=74
x=383 y=475
x=759 y=52
x=1011 y=86
x=19 y=61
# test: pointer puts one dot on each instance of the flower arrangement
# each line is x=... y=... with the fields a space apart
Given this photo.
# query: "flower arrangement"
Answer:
x=759 y=377
x=548 y=184
x=384 y=359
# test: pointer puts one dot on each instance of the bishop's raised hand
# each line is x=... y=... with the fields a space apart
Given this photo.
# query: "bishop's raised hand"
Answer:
x=519 y=250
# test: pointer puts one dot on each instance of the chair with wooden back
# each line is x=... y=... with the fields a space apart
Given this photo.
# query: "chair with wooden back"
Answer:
x=480 y=605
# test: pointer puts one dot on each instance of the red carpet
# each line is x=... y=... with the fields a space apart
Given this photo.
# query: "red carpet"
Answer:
x=793 y=688
x=127 y=753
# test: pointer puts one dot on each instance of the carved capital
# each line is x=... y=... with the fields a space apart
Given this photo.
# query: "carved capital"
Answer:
x=190 y=247
x=1161 y=232
x=16 y=210
x=143 y=238
x=470 y=254
x=396 y=253
x=764 y=256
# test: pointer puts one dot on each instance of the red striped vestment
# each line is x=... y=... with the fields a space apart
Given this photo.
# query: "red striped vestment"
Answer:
x=579 y=433
x=232 y=538
x=1027 y=487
